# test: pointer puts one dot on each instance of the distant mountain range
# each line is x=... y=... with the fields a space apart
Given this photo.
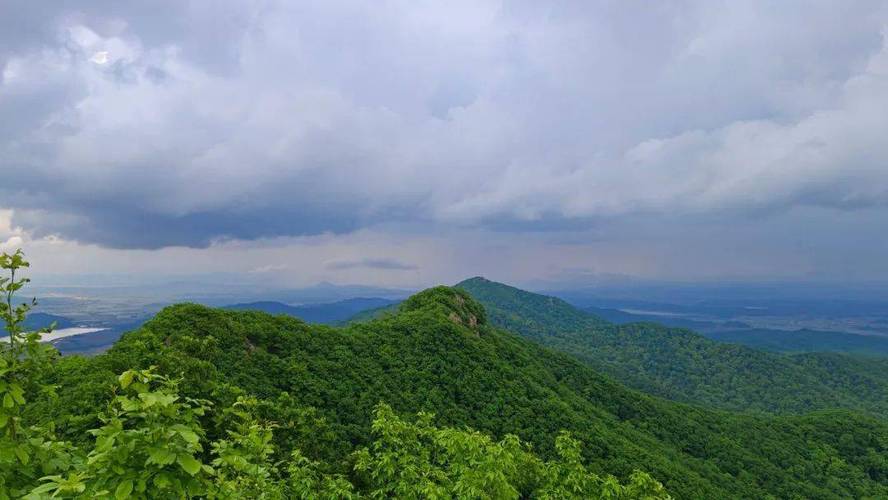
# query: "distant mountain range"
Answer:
x=728 y=300
x=770 y=339
x=329 y=313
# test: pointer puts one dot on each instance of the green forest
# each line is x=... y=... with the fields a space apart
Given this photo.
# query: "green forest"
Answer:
x=682 y=365
x=477 y=391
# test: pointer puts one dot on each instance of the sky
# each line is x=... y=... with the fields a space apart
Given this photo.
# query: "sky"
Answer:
x=406 y=143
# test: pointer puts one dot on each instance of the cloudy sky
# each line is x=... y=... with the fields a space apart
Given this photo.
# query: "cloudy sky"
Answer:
x=413 y=142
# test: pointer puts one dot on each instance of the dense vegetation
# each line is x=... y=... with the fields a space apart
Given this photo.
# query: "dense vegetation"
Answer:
x=679 y=364
x=216 y=403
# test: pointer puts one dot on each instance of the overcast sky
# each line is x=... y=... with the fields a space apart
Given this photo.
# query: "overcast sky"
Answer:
x=413 y=142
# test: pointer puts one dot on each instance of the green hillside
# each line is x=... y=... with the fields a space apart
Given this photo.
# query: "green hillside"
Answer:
x=681 y=365
x=439 y=354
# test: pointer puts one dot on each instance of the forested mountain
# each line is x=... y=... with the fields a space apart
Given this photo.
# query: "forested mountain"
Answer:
x=684 y=366
x=139 y=434
x=327 y=313
x=438 y=353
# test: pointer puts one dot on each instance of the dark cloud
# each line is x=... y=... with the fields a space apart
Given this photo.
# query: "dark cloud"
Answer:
x=180 y=123
x=386 y=264
x=138 y=229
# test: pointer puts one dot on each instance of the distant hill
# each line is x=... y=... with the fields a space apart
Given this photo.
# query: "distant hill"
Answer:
x=86 y=344
x=684 y=366
x=330 y=313
x=804 y=341
x=38 y=320
x=620 y=317
x=96 y=342
x=736 y=332
x=440 y=353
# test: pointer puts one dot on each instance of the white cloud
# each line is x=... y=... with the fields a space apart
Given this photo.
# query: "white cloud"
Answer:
x=11 y=244
x=11 y=237
x=100 y=57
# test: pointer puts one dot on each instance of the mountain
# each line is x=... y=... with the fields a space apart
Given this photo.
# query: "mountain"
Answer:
x=329 y=313
x=39 y=320
x=440 y=353
x=681 y=365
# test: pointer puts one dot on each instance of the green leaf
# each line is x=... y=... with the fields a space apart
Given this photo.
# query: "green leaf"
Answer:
x=7 y=400
x=162 y=480
x=128 y=404
x=126 y=378
x=189 y=436
x=161 y=456
x=22 y=455
x=189 y=464
x=123 y=490
x=18 y=395
x=44 y=488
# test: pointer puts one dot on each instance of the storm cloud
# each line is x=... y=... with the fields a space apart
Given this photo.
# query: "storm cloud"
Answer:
x=142 y=125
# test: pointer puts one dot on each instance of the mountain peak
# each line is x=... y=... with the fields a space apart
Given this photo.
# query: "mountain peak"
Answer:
x=476 y=281
x=454 y=303
x=499 y=298
x=479 y=286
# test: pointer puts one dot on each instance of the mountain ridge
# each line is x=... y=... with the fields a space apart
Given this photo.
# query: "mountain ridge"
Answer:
x=682 y=365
